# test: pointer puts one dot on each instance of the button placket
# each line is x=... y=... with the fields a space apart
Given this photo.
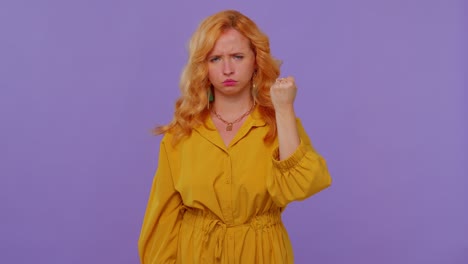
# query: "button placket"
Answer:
x=228 y=182
x=228 y=170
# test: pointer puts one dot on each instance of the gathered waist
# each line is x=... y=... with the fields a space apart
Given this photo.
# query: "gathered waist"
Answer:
x=205 y=220
x=212 y=227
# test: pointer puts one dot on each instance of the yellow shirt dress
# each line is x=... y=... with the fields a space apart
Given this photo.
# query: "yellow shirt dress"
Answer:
x=212 y=203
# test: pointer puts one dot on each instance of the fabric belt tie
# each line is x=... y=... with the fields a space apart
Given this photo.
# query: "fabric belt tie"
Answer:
x=219 y=238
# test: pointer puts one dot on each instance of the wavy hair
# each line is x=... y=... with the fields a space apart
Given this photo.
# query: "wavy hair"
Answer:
x=191 y=107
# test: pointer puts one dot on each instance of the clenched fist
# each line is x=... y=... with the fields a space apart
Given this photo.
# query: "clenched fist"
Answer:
x=283 y=93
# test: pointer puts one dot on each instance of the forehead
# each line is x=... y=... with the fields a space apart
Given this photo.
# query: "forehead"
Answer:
x=231 y=41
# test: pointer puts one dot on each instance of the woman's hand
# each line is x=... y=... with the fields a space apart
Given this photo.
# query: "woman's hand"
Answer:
x=283 y=93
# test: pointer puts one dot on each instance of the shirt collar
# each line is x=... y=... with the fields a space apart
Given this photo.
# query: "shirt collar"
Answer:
x=209 y=132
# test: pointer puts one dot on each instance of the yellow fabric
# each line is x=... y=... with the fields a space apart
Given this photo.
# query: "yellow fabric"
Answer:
x=212 y=203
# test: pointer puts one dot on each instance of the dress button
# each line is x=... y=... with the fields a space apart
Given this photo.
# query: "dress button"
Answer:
x=228 y=181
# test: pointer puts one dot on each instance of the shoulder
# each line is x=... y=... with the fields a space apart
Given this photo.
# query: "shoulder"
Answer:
x=168 y=140
x=172 y=142
x=167 y=137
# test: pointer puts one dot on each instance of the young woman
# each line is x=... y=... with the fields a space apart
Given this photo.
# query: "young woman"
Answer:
x=233 y=156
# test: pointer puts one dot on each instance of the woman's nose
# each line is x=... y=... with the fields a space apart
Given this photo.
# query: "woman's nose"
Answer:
x=228 y=68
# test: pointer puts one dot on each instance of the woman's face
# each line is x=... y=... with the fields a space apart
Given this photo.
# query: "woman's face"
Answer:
x=231 y=64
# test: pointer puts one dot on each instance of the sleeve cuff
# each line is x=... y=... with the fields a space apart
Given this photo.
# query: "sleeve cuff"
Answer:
x=292 y=160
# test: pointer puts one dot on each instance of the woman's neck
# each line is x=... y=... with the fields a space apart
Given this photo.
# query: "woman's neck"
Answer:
x=231 y=108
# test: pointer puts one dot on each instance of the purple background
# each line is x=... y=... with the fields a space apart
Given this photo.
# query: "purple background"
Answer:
x=383 y=95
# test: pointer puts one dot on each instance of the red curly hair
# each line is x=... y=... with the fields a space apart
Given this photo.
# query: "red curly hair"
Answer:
x=191 y=107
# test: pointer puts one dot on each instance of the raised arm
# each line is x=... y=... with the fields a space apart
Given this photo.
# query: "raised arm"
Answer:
x=298 y=171
x=283 y=94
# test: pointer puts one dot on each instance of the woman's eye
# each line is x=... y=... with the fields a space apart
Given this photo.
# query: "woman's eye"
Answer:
x=214 y=59
x=238 y=57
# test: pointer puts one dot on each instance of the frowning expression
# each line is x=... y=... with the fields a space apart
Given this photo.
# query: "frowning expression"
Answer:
x=231 y=64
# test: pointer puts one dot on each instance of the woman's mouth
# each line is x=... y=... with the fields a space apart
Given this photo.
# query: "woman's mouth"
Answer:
x=229 y=82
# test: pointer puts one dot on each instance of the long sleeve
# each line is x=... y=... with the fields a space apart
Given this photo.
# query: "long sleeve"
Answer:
x=298 y=177
x=160 y=231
